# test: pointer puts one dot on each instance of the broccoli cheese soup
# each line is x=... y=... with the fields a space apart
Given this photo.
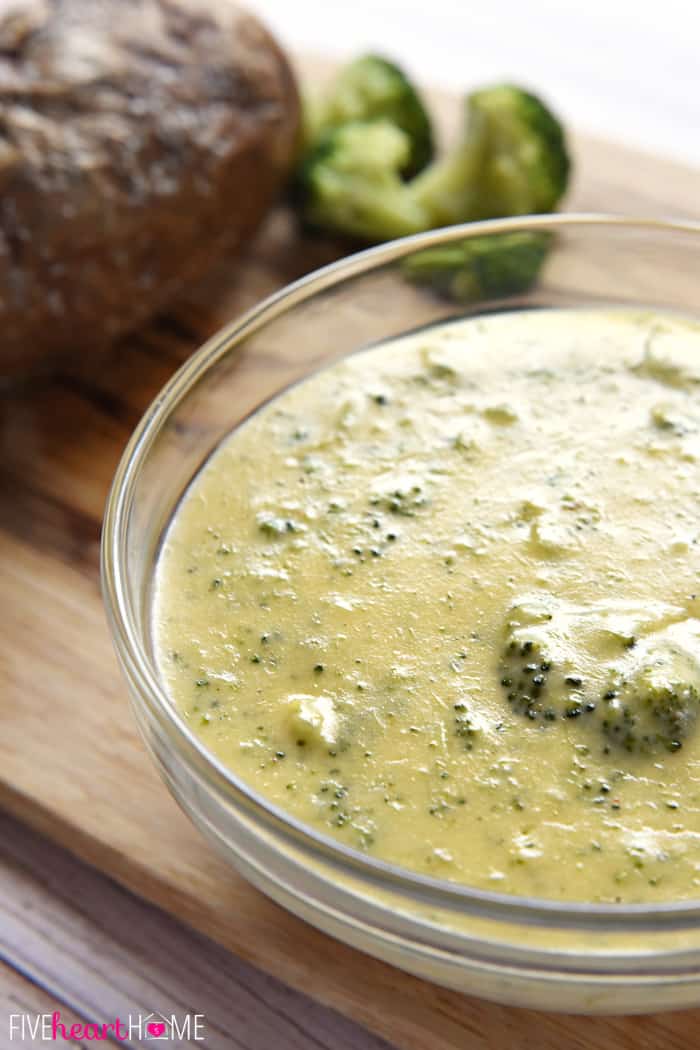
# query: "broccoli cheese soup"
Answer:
x=441 y=601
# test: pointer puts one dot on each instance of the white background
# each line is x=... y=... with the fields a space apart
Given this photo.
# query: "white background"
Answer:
x=628 y=71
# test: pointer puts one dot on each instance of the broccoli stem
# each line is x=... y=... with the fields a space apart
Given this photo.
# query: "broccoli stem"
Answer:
x=448 y=190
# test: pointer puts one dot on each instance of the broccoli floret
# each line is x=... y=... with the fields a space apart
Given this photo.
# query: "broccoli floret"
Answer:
x=524 y=671
x=512 y=160
x=535 y=672
x=351 y=182
x=653 y=705
x=651 y=699
x=480 y=268
x=374 y=88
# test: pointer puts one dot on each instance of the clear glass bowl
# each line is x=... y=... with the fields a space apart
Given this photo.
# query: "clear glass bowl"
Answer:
x=544 y=954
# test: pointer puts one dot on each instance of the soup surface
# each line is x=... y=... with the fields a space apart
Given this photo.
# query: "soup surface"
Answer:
x=441 y=601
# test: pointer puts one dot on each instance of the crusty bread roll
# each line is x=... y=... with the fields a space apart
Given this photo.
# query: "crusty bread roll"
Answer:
x=139 y=140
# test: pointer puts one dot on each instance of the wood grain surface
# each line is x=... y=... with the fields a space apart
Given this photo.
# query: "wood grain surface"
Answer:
x=78 y=943
x=20 y=996
x=71 y=763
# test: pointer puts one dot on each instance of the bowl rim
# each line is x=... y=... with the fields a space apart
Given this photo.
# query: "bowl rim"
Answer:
x=662 y=917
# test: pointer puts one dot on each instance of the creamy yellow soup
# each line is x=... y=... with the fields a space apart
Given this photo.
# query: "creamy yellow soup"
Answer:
x=440 y=602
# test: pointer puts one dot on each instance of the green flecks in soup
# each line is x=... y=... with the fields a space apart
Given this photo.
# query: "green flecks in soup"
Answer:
x=441 y=601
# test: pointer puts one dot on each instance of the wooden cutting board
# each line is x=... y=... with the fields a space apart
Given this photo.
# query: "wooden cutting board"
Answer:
x=71 y=763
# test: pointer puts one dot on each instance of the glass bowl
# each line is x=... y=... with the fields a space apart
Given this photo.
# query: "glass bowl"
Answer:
x=572 y=957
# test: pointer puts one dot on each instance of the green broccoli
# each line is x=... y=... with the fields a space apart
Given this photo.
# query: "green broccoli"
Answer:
x=650 y=699
x=654 y=705
x=468 y=727
x=512 y=160
x=374 y=88
x=351 y=182
x=481 y=268
x=535 y=670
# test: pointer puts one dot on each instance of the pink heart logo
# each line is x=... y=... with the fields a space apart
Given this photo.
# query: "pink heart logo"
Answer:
x=156 y=1028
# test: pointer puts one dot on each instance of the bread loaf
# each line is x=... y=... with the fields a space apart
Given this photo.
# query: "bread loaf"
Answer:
x=139 y=141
